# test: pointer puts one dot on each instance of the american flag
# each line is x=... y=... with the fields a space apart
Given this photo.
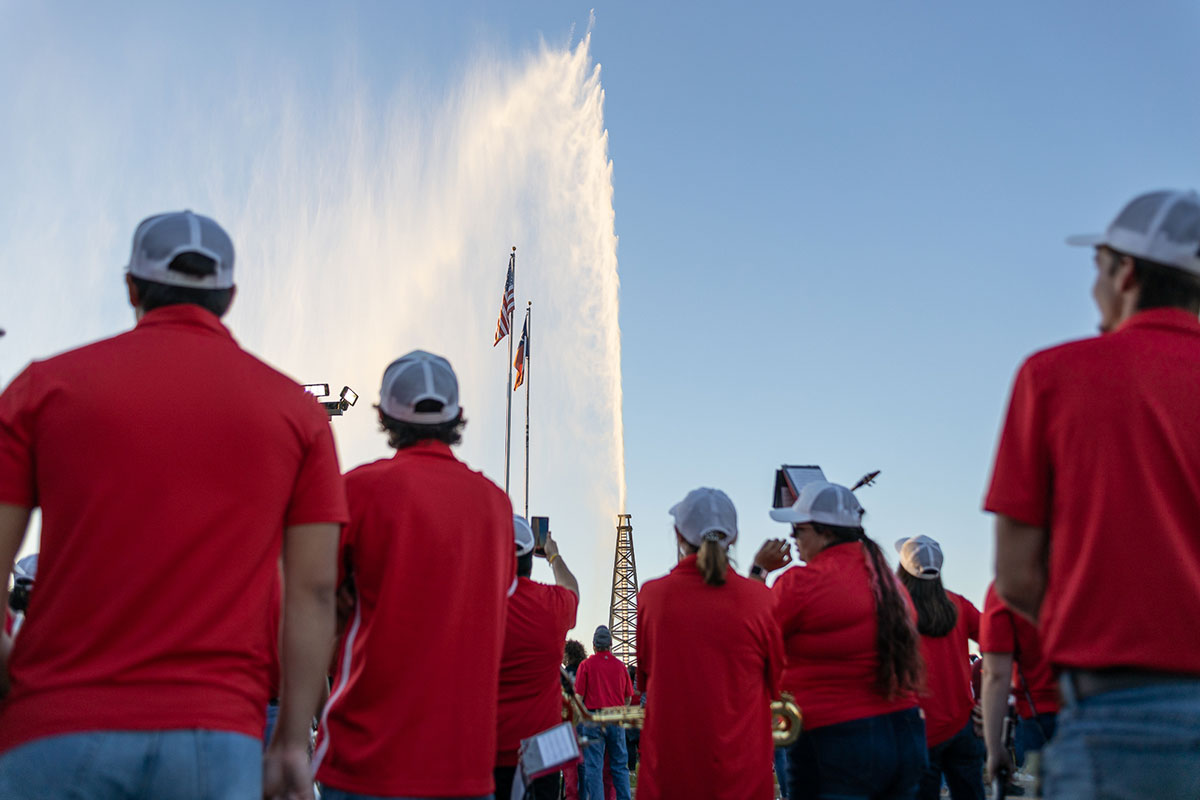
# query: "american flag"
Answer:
x=508 y=303
x=522 y=355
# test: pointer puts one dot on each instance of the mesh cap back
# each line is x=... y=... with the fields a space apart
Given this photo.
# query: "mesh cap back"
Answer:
x=705 y=511
x=1163 y=227
x=159 y=239
x=420 y=378
x=921 y=557
x=826 y=503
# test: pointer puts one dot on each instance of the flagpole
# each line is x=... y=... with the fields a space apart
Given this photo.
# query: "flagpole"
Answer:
x=528 y=363
x=508 y=375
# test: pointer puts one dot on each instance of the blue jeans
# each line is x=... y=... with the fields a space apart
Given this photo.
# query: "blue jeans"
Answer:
x=612 y=738
x=338 y=794
x=960 y=759
x=874 y=758
x=1132 y=743
x=781 y=771
x=163 y=765
x=1032 y=735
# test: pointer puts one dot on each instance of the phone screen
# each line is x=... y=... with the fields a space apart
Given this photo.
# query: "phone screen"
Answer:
x=541 y=526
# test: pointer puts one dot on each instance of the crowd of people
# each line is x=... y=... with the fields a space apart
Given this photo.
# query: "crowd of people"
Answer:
x=210 y=587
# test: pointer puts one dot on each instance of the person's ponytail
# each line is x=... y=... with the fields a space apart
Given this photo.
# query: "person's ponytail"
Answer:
x=712 y=562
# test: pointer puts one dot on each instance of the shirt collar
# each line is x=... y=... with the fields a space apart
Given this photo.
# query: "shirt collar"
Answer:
x=185 y=315
x=426 y=447
x=1174 y=318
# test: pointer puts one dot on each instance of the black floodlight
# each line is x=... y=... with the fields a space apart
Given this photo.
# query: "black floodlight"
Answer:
x=317 y=390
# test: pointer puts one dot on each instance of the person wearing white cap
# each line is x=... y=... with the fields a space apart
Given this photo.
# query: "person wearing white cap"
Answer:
x=429 y=550
x=539 y=616
x=1096 y=492
x=155 y=683
x=709 y=657
x=946 y=621
x=853 y=659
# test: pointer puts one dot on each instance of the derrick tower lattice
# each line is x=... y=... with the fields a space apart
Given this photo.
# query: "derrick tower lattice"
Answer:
x=622 y=610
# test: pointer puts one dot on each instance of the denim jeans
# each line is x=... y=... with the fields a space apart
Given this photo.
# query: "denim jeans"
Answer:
x=611 y=738
x=157 y=765
x=960 y=759
x=1132 y=743
x=1032 y=735
x=781 y=771
x=874 y=758
x=337 y=794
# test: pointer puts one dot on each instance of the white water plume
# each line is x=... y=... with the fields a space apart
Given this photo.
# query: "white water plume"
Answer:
x=366 y=229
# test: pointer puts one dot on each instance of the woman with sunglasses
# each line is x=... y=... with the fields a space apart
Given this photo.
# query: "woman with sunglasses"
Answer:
x=853 y=659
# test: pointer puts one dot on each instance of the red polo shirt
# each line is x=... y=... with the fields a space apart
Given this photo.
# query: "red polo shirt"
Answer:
x=167 y=462
x=947 y=700
x=531 y=698
x=1101 y=447
x=827 y=614
x=603 y=681
x=1002 y=631
x=413 y=708
x=710 y=658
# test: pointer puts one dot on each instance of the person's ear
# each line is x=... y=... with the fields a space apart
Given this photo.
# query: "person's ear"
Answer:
x=134 y=299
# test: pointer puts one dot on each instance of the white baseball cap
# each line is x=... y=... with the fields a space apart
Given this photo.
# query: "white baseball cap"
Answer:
x=921 y=557
x=1163 y=227
x=826 y=503
x=705 y=511
x=416 y=377
x=159 y=239
x=522 y=535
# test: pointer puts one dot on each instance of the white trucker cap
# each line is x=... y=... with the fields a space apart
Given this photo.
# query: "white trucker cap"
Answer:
x=921 y=557
x=826 y=503
x=413 y=378
x=159 y=239
x=522 y=535
x=705 y=511
x=1163 y=227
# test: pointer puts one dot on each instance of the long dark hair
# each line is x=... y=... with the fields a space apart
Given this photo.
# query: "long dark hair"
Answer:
x=897 y=644
x=936 y=612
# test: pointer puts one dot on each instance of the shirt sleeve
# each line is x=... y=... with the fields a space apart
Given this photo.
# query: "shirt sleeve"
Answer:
x=996 y=626
x=774 y=648
x=972 y=614
x=1021 y=476
x=582 y=680
x=627 y=692
x=641 y=651
x=789 y=601
x=17 y=418
x=319 y=494
x=567 y=608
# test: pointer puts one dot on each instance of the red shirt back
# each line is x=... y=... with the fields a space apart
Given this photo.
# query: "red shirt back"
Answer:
x=539 y=617
x=413 y=708
x=827 y=614
x=1101 y=447
x=603 y=681
x=710 y=658
x=163 y=509
x=947 y=700
x=1002 y=631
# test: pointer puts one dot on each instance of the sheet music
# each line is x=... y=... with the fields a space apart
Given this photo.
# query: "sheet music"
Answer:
x=557 y=745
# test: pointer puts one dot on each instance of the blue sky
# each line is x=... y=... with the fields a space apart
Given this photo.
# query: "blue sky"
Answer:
x=840 y=225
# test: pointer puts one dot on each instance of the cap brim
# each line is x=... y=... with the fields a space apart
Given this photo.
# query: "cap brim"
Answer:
x=789 y=514
x=1086 y=239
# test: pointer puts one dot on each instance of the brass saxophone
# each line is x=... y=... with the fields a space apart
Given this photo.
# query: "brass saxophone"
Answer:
x=786 y=717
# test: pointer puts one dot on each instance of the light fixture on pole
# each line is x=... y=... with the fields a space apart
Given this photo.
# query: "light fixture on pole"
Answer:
x=334 y=408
